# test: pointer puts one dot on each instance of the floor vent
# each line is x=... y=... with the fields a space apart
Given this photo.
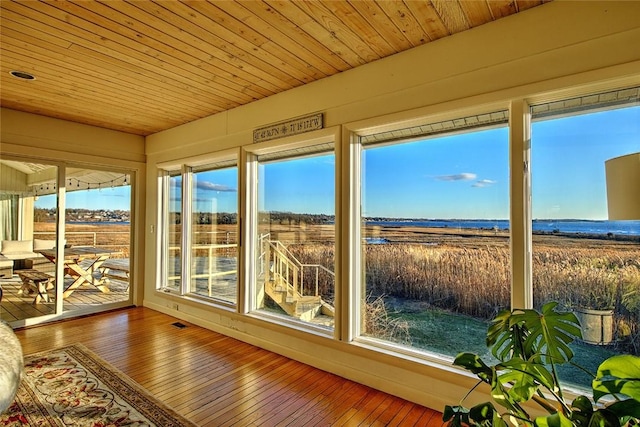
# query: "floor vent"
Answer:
x=179 y=325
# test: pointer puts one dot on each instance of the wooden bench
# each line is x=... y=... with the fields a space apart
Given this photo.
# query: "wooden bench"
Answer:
x=6 y=267
x=120 y=265
x=35 y=281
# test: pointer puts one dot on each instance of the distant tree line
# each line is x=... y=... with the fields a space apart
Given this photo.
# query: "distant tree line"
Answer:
x=285 y=218
x=44 y=215
x=205 y=218
x=290 y=218
x=76 y=214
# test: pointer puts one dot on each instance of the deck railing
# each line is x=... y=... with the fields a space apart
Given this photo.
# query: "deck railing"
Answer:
x=216 y=241
x=107 y=239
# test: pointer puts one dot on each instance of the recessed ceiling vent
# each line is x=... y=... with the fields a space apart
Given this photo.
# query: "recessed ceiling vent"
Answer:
x=22 y=75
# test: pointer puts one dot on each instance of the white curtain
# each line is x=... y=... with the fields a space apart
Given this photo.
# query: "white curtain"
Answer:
x=8 y=216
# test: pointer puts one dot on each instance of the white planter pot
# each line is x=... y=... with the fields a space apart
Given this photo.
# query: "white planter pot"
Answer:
x=597 y=325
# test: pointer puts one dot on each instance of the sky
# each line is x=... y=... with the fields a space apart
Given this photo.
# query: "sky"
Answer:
x=112 y=198
x=461 y=176
x=567 y=161
x=301 y=186
x=465 y=176
x=216 y=191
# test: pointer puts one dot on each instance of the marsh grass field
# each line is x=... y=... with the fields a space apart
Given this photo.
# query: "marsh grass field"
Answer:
x=466 y=272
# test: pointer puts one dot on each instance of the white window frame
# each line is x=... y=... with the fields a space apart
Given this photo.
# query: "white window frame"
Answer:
x=162 y=237
x=186 y=167
x=352 y=154
x=250 y=177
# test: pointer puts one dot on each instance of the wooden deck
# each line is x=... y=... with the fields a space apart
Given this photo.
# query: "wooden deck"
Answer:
x=215 y=380
x=18 y=306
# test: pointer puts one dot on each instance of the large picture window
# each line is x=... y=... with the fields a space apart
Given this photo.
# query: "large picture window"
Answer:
x=435 y=233
x=295 y=240
x=431 y=245
x=582 y=258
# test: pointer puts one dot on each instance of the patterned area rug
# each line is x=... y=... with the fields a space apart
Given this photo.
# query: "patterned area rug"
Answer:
x=72 y=386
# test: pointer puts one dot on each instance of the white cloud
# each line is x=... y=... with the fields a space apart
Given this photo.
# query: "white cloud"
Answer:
x=484 y=183
x=464 y=176
x=206 y=185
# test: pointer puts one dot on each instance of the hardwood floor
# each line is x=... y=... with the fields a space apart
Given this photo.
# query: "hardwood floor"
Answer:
x=215 y=380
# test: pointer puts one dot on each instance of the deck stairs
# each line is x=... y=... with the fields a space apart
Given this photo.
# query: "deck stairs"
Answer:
x=285 y=283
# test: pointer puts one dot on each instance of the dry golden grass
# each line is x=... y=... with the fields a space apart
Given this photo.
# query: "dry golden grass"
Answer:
x=468 y=272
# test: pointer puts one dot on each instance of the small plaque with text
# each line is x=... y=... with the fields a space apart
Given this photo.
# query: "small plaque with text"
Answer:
x=288 y=128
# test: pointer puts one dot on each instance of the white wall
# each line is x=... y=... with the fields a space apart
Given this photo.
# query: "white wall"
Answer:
x=560 y=47
x=54 y=139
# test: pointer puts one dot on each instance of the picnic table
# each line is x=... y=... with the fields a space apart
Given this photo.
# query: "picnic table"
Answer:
x=82 y=274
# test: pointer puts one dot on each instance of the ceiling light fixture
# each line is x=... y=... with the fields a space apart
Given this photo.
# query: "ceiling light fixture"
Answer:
x=22 y=75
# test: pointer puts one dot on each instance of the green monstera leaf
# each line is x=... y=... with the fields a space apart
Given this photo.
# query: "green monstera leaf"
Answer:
x=556 y=420
x=529 y=343
x=550 y=332
x=473 y=363
x=618 y=375
x=525 y=378
x=505 y=339
x=530 y=333
x=455 y=416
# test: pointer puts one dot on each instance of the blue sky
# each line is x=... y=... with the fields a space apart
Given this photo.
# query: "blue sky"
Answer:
x=567 y=161
x=115 y=198
x=216 y=191
x=464 y=176
x=301 y=186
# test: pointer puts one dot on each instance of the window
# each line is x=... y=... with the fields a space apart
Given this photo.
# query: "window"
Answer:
x=435 y=233
x=28 y=221
x=582 y=258
x=98 y=222
x=214 y=236
x=171 y=221
x=94 y=273
x=9 y=209
x=295 y=241
x=199 y=219
x=437 y=246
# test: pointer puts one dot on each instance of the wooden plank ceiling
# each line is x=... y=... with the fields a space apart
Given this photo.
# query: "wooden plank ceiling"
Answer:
x=145 y=66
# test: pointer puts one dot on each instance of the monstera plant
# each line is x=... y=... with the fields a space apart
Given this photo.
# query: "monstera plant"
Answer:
x=529 y=345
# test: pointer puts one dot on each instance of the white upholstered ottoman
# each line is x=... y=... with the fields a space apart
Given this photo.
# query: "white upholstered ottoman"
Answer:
x=11 y=365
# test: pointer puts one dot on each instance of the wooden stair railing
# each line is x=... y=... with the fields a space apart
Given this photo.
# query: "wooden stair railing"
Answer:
x=284 y=281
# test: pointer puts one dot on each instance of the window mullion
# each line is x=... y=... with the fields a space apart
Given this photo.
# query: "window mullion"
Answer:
x=187 y=208
x=353 y=276
x=162 y=230
x=520 y=156
x=249 y=230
